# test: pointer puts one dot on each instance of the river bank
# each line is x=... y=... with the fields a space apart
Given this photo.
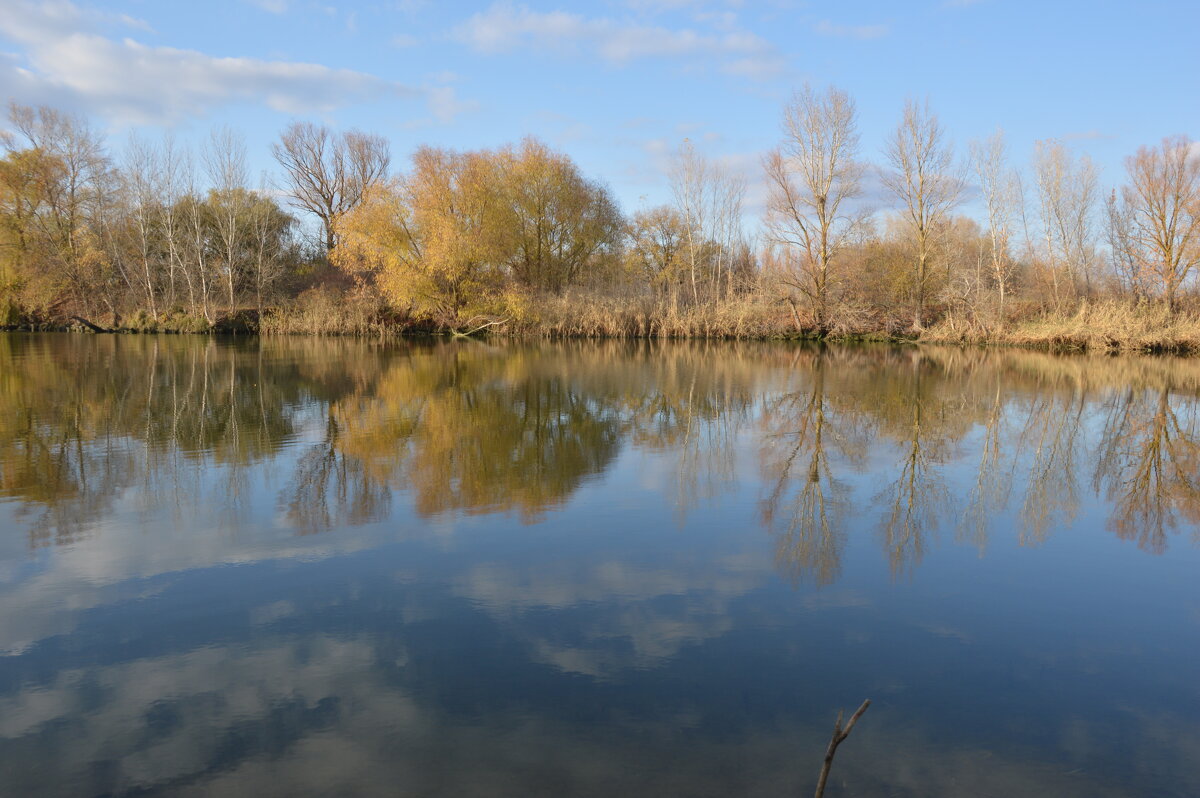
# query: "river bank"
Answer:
x=1102 y=326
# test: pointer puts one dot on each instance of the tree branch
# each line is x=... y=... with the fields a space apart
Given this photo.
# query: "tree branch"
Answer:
x=839 y=735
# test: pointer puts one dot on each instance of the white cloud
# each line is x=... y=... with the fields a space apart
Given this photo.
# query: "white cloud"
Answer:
x=273 y=6
x=862 y=32
x=445 y=104
x=135 y=22
x=1087 y=135
x=65 y=62
x=504 y=28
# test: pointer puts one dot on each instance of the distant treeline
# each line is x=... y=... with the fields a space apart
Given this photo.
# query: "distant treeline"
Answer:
x=518 y=240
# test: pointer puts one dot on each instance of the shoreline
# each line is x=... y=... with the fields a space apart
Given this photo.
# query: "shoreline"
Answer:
x=1036 y=337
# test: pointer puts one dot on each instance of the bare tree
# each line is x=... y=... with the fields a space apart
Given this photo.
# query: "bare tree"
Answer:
x=687 y=178
x=174 y=164
x=708 y=196
x=1067 y=193
x=269 y=228
x=1001 y=195
x=814 y=178
x=142 y=176
x=194 y=256
x=925 y=180
x=225 y=161
x=1163 y=197
x=729 y=194
x=328 y=173
x=1124 y=252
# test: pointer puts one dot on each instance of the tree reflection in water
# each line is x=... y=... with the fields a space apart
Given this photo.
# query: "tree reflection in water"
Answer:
x=954 y=437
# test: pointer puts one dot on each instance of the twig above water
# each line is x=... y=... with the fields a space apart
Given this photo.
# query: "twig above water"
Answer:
x=839 y=735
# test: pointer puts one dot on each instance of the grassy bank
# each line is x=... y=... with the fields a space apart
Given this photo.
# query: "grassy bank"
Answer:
x=1092 y=327
x=1101 y=326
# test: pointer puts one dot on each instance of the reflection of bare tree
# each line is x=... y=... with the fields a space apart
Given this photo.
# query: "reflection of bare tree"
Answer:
x=68 y=485
x=330 y=489
x=993 y=485
x=707 y=451
x=918 y=495
x=97 y=426
x=806 y=505
x=1149 y=466
x=1052 y=431
x=88 y=422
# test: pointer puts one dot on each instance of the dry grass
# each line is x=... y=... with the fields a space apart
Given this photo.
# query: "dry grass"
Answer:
x=1095 y=326
x=323 y=311
x=751 y=316
x=599 y=316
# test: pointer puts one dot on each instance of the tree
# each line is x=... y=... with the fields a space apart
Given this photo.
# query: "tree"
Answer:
x=657 y=248
x=429 y=241
x=813 y=179
x=225 y=161
x=70 y=223
x=1163 y=198
x=708 y=197
x=1001 y=197
x=924 y=179
x=270 y=230
x=559 y=224
x=328 y=173
x=142 y=175
x=1067 y=200
x=1124 y=254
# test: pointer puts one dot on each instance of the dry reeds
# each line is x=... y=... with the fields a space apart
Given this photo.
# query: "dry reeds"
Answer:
x=324 y=311
x=1107 y=325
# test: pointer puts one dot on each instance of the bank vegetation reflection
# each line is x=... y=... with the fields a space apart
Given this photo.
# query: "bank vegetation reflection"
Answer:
x=914 y=443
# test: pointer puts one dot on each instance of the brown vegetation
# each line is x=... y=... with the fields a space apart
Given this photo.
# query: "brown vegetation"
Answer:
x=518 y=241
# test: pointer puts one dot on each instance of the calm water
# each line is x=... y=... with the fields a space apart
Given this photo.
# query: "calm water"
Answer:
x=327 y=567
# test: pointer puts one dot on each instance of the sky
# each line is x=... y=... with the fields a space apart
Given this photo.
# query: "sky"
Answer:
x=617 y=84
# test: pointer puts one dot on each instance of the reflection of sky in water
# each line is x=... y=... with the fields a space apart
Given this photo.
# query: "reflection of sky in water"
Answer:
x=673 y=618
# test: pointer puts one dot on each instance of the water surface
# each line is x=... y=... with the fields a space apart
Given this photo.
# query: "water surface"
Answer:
x=323 y=567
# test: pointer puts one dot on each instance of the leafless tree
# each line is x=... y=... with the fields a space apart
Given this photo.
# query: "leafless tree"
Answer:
x=814 y=178
x=708 y=196
x=142 y=176
x=1067 y=194
x=1124 y=252
x=1001 y=195
x=225 y=162
x=174 y=164
x=327 y=173
x=925 y=181
x=1163 y=197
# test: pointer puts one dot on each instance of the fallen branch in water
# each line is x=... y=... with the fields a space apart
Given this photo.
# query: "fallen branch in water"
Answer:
x=93 y=327
x=839 y=735
x=480 y=328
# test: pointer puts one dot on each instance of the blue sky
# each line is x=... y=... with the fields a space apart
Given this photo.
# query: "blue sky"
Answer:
x=616 y=84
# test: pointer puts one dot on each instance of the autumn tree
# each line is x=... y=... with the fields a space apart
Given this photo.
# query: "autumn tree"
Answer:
x=557 y=227
x=657 y=249
x=813 y=179
x=75 y=178
x=27 y=281
x=429 y=239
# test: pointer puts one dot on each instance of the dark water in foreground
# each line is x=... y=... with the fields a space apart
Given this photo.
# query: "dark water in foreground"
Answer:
x=327 y=567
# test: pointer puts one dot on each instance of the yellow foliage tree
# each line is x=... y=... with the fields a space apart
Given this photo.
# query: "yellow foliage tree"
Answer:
x=428 y=240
